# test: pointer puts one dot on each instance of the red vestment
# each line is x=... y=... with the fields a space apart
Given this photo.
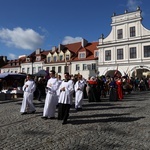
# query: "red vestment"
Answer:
x=119 y=89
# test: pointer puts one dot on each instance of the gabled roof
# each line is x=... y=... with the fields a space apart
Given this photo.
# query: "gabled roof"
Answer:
x=74 y=47
x=89 y=50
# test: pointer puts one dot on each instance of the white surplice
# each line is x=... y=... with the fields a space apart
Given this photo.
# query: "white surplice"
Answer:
x=28 y=96
x=79 y=88
x=51 y=99
x=66 y=96
x=57 y=92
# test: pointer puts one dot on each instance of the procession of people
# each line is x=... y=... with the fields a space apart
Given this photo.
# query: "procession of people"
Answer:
x=62 y=93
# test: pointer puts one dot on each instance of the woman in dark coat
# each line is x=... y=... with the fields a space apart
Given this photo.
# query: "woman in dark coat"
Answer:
x=113 y=92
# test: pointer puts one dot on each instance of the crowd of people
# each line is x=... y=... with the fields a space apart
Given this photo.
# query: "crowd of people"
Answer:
x=60 y=92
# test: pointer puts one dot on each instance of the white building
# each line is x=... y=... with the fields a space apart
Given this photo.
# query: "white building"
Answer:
x=127 y=47
x=76 y=58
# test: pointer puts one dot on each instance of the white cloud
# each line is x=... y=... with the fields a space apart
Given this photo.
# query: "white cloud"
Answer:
x=69 y=39
x=133 y=4
x=43 y=30
x=26 y=39
x=12 y=56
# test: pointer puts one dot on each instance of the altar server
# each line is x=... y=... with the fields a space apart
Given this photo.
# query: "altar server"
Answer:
x=66 y=90
x=27 y=103
x=51 y=97
x=79 y=88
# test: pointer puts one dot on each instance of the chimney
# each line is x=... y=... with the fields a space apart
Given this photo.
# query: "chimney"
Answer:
x=84 y=42
x=5 y=59
x=54 y=48
x=60 y=47
x=38 y=51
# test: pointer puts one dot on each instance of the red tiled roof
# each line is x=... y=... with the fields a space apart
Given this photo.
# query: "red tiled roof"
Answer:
x=74 y=47
x=89 y=49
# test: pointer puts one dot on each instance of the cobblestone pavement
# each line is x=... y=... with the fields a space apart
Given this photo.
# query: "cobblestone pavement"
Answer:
x=122 y=125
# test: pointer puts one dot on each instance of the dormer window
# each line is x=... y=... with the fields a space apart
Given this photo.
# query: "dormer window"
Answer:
x=61 y=57
x=48 y=59
x=55 y=58
x=96 y=53
x=82 y=55
x=38 y=58
x=27 y=59
x=67 y=57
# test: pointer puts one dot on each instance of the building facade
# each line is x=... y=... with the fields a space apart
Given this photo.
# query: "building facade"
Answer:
x=127 y=47
x=76 y=58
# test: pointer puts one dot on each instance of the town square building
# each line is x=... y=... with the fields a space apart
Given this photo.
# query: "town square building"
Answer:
x=127 y=47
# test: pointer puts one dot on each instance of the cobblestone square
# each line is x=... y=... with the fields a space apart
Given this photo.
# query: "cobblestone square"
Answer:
x=121 y=125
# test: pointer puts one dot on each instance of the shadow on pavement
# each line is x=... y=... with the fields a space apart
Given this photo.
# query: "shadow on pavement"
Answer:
x=107 y=108
x=117 y=119
x=98 y=115
x=9 y=101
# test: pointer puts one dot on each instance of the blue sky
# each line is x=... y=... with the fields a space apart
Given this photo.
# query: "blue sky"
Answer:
x=26 y=25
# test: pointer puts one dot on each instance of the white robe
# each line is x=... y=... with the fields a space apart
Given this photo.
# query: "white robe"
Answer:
x=67 y=95
x=27 y=102
x=57 y=92
x=79 y=93
x=51 y=98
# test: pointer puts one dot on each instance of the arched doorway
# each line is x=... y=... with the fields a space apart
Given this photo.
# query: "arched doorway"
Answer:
x=140 y=71
x=111 y=73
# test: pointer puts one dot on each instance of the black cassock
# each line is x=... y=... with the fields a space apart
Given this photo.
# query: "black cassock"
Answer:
x=92 y=93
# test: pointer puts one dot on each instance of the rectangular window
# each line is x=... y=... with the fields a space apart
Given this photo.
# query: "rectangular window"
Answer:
x=60 y=57
x=89 y=67
x=34 y=70
x=107 y=55
x=77 y=67
x=132 y=31
x=146 y=51
x=23 y=70
x=39 y=68
x=53 y=68
x=84 y=66
x=67 y=57
x=119 y=54
x=27 y=59
x=119 y=34
x=96 y=53
x=82 y=55
x=66 y=68
x=93 y=66
x=59 y=69
x=38 y=58
x=48 y=59
x=28 y=70
x=133 y=52
x=55 y=58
